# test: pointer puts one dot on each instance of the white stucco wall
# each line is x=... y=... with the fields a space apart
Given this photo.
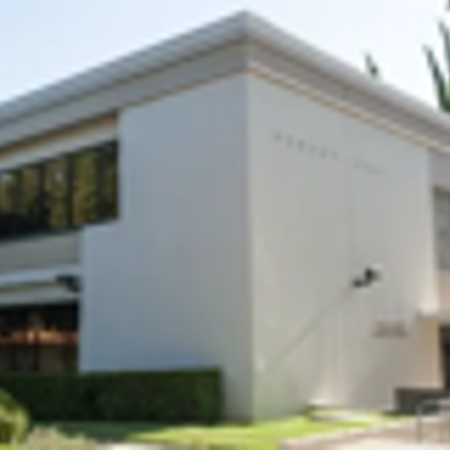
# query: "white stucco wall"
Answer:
x=331 y=195
x=439 y=164
x=168 y=284
x=444 y=290
x=440 y=178
x=246 y=212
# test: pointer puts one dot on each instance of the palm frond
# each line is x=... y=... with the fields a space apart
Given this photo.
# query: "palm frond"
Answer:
x=445 y=34
x=439 y=80
x=372 y=67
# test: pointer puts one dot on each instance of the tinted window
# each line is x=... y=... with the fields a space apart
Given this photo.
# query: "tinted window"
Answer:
x=85 y=188
x=69 y=191
x=8 y=204
x=30 y=199
x=109 y=179
x=56 y=193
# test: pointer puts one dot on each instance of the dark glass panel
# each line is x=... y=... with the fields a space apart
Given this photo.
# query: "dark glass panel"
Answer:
x=109 y=182
x=30 y=204
x=56 y=188
x=8 y=203
x=85 y=188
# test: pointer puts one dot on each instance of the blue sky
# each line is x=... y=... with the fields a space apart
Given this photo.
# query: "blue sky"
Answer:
x=43 y=41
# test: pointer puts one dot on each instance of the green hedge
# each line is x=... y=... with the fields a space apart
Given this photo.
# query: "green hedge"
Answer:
x=160 y=397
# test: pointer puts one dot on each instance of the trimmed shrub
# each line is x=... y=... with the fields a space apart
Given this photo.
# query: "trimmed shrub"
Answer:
x=14 y=420
x=161 y=397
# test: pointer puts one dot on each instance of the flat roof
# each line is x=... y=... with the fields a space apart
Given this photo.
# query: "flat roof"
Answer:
x=243 y=42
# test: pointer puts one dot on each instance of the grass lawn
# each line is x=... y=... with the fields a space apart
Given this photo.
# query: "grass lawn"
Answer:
x=260 y=436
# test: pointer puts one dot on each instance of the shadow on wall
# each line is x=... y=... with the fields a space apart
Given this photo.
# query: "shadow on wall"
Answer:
x=294 y=345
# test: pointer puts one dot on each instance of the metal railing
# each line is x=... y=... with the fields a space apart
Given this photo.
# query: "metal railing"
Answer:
x=433 y=416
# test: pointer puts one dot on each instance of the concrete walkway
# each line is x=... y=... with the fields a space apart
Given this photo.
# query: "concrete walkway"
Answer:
x=364 y=444
x=131 y=447
x=385 y=444
x=402 y=436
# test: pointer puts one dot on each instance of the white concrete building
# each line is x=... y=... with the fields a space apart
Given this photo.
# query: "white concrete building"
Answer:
x=231 y=198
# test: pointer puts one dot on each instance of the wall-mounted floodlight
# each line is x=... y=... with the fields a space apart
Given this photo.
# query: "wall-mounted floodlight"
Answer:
x=368 y=277
x=70 y=282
